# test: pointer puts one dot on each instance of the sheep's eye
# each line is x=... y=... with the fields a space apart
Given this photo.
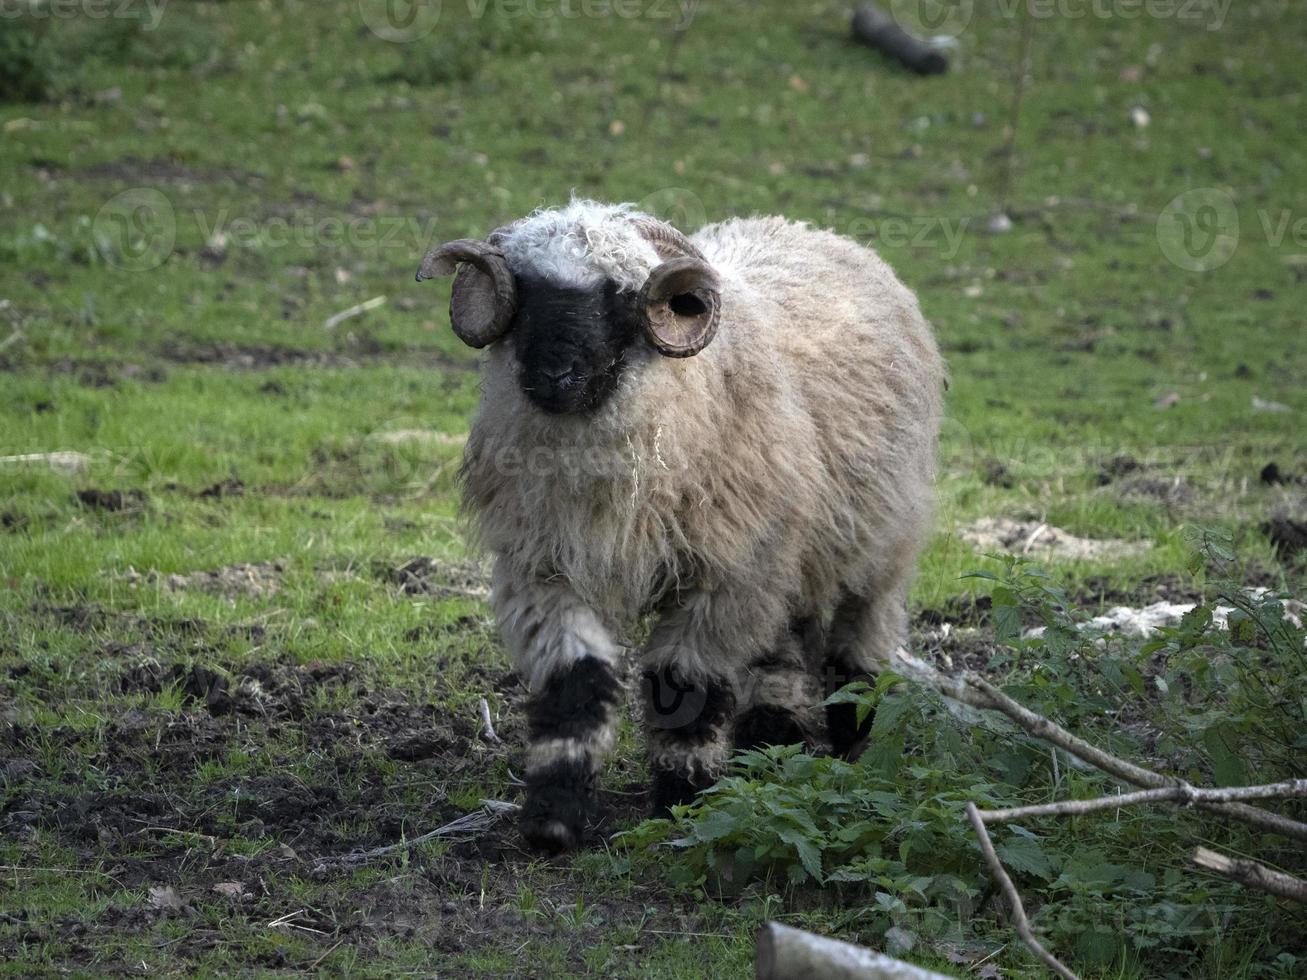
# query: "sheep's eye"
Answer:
x=687 y=304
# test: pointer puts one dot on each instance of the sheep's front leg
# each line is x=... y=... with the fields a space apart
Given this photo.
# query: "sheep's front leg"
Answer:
x=690 y=702
x=568 y=659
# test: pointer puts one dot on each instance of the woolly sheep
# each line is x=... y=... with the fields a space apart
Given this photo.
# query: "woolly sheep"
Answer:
x=734 y=432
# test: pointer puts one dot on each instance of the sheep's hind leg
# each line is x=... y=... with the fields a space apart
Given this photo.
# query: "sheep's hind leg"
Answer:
x=690 y=702
x=781 y=693
x=863 y=634
x=568 y=659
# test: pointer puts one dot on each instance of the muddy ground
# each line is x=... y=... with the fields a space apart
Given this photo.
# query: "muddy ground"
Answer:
x=152 y=808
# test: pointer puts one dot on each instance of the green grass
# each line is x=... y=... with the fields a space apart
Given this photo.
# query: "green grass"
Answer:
x=282 y=163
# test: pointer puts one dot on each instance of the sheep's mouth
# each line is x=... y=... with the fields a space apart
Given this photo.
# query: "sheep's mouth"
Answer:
x=573 y=395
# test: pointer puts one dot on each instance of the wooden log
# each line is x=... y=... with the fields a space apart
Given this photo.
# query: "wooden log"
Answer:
x=876 y=29
x=792 y=954
x=1252 y=874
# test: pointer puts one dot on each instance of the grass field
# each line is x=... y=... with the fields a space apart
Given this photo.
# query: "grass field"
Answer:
x=240 y=633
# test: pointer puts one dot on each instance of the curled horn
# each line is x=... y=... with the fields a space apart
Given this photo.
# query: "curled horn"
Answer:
x=666 y=240
x=484 y=297
x=680 y=302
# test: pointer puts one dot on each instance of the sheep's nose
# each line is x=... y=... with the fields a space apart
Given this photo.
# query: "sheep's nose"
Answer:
x=557 y=374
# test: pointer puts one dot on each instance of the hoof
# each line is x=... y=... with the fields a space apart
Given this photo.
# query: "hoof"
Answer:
x=551 y=836
x=560 y=802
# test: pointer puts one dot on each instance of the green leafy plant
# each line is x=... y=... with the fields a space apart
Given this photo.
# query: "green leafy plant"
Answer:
x=1216 y=703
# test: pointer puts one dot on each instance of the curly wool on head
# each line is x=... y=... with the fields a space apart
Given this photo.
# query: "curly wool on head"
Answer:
x=580 y=245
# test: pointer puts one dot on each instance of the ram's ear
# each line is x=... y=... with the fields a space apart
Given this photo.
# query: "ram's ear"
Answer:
x=680 y=304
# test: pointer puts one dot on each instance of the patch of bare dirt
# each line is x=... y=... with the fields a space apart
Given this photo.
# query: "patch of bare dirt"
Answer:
x=436 y=577
x=249 y=357
x=1035 y=538
x=257 y=580
x=132 y=170
x=115 y=501
x=1288 y=537
x=87 y=372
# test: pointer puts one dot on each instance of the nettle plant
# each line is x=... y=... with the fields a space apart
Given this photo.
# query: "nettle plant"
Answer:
x=1217 y=699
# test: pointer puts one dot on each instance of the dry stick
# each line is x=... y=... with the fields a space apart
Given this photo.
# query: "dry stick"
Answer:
x=1251 y=873
x=336 y=319
x=1014 y=899
x=318 y=962
x=1014 y=120
x=974 y=690
x=487 y=725
x=1183 y=794
x=475 y=822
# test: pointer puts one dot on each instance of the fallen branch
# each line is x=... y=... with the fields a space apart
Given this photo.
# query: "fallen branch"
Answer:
x=336 y=319
x=488 y=727
x=1252 y=874
x=476 y=822
x=1013 y=897
x=972 y=689
x=783 y=953
x=878 y=30
x=1181 y=794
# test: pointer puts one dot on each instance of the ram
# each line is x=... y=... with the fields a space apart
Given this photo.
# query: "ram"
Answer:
x=732 y=434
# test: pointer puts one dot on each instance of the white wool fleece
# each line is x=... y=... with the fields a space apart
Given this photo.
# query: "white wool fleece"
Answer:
x=581 y=245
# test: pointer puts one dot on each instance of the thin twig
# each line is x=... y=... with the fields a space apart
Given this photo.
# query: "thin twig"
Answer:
x=1252 y=874
x=487 y=726
x=1184 y=794
x=1014 y=115
x=974 y=690
x=336 y=319
x=1014 y=898
x=316 y=963
x=478 y=821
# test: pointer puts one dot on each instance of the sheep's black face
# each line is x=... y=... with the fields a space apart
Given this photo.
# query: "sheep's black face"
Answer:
x=571 y=344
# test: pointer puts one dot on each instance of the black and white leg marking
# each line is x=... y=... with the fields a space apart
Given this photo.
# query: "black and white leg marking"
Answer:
x=781 y=695
x=571 y=721
x=568 y=659
x=689 y=714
